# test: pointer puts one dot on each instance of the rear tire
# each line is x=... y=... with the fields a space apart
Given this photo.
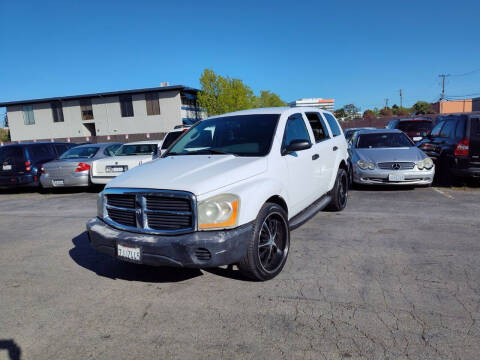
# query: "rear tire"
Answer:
x=269 y=244
x=339 y=192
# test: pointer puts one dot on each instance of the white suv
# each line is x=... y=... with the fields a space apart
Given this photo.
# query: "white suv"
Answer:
x=228 y=191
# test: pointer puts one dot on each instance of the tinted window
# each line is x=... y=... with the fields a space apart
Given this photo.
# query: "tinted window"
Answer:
x=110 y=150
x=318 y=126
x=170 y=138
x=392 y=124
x=242 y=135
x=80 y=152
x=415 y=126
x=474 y=127
x=383 y=140
x=333 y=124
x=460 y=129
x=41 y=153
x=61 y=148
x=436 y=129
x=448 y=129
x=295 y=130
x=136 y=149
x=10 y=155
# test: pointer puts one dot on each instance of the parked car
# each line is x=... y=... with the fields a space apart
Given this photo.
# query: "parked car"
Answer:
x=72 y=168
x=454 y=145
x=388 y=157
x=227 y=192
x=348 y=133
x=127 y=157
x=416 y=128
x=20 y=164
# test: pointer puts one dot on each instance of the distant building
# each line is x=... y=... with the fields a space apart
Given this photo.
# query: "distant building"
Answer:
x=324 y=104
x=452 y=106
x=150 y=110
x=476 y=104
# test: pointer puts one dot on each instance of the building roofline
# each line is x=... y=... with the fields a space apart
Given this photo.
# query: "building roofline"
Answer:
x=102 y=94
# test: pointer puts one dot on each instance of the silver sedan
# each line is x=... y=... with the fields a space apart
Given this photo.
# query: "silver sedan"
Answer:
x=72 y=168
x=388 y=157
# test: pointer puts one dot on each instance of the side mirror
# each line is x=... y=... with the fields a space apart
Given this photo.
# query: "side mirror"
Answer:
x=297 y=145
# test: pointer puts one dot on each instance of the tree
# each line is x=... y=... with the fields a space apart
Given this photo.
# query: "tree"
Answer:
x=220 y=95
x=422 y=107
x=340 y=113
x=368 y=114
x=386 y=112
x=269 y=99
x=351 y=111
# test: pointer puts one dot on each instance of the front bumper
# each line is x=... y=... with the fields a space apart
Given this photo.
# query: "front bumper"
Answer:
x=69 y=180
x=380 y=177
x=103 y=179
x=201 y=249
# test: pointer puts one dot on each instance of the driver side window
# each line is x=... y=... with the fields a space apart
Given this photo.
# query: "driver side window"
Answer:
x=295 y=129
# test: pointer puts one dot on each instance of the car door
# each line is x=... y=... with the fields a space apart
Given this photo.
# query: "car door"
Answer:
x=337 y=146
x=322 y=161
x=300 y=183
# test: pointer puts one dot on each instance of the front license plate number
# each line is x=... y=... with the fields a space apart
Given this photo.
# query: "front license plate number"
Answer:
x=395 y=177
x=129 y=253
x=58 y=183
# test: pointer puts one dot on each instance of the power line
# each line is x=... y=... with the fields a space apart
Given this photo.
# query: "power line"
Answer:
x=467 y=73
x=443 y=76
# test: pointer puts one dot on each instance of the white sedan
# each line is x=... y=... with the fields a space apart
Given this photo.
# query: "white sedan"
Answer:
x=126 y=157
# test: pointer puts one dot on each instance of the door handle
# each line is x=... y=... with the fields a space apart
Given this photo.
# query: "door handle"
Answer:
x=315 y=157
x=335 y=148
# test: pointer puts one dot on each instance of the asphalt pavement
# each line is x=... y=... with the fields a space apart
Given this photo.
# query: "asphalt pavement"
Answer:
x=395 y=275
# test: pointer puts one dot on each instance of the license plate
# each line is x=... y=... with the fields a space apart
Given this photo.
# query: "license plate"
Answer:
x=58 y=183
x=395 y=177
x=115 y=168
x=6 y=167
x=129 y=253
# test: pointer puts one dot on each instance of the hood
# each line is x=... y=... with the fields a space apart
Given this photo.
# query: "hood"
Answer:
x=390 y=154
x=198 y=174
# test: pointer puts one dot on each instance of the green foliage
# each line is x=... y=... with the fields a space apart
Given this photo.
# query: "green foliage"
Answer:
x=4 y=135
x=220 y=95
x=269 y=99
x=340 y=113
x=348 y=112
x=422 y=107
x=369 y=114
x=386 y=112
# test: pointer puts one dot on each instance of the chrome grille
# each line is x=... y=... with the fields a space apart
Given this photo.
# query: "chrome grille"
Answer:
x=150 y=211
x=395 y=165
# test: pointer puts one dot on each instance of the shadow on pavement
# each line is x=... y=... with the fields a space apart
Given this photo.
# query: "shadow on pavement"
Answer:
x=103 y=265
x=13 y=350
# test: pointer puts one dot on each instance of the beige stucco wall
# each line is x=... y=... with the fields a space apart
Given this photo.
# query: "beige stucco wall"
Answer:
x=107 y=118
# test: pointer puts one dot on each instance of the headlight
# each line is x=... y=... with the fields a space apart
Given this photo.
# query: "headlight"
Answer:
x=100 y=199
x=220 y=211
x=420 y=164
x=364 y=165
x=428 y=163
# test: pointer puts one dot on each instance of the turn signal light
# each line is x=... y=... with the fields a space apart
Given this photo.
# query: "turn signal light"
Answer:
x=82 y=167
x=462 y=148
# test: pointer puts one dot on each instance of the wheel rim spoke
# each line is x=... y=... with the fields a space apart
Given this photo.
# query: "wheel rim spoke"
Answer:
x=272 y=242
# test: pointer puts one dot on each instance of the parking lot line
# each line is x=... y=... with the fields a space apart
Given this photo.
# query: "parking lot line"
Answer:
x=443 y=193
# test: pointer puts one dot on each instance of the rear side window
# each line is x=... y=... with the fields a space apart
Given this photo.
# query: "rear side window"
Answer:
x=437 y=128
x=41 y=153
x=460 y=129
x=295 y=130
x=448 y=129
x=170 y=138
x=333 y=124
x=110 y=150
x=318 y=126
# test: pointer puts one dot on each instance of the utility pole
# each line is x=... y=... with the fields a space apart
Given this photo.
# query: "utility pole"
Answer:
x=401 y=99
x=443 y=76
x=386 y=103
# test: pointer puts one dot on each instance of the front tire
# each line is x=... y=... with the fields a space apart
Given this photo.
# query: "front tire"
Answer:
x=339 y=192
x=269 y=244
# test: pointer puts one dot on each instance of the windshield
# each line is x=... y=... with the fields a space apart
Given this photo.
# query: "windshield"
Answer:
x=241 y=135
x=415 y=126
x=136 y=149
x=80 y=152
x=383 y=140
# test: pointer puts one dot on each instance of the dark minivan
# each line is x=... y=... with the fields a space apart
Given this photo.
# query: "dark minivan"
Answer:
x=454 y=144
x=20 y=164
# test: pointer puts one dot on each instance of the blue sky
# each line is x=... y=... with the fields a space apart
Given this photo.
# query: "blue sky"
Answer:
x=357 y=52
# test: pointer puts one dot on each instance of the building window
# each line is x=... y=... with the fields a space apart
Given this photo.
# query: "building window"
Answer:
x=28 y=118
x=57 y=111
x=153 y=103
x=86 y=109
x=126 y=105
